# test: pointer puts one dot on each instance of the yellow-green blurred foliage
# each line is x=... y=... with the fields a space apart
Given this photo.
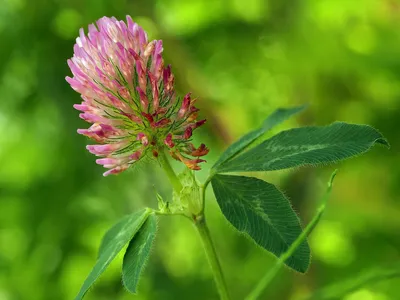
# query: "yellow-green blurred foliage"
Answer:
x=243 y=59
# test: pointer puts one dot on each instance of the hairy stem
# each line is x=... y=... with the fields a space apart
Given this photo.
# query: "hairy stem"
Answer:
x=176 y=184
x=199 y=221
x=266 y=280
x=212 y=257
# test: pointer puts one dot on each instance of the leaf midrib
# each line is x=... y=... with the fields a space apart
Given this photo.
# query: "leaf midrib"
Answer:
x=268 y=219
x=255 y=161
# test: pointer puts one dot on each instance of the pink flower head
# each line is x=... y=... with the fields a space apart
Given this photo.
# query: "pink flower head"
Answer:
x=129 y=98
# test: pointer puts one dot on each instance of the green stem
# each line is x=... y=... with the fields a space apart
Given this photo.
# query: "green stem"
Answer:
x=212 y=257
x=201 y=226
x=176 y=184
x=266 y=280
x=203 y=194
x=341 y=289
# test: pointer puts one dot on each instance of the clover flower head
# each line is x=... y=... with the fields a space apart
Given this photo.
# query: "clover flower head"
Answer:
x=129 y=98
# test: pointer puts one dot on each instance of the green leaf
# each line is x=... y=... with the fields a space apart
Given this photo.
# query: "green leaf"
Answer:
x=306 y=146
x=113 y=242
x=277 y=117
x=259 y=209
x=137 y=254
x=256 y=293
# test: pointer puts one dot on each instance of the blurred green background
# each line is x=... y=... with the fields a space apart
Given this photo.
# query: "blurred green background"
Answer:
x=242 y=59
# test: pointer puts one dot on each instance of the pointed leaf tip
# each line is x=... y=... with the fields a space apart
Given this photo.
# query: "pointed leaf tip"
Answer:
x=384 y=142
